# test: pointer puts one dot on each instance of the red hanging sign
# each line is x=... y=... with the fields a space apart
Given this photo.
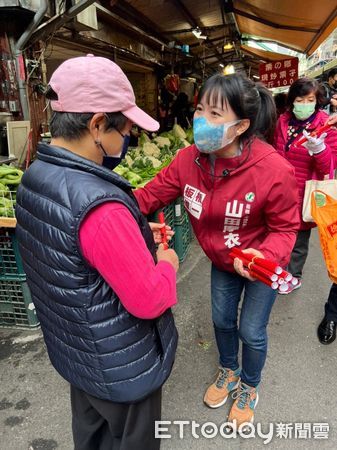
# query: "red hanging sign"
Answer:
x=279 y=73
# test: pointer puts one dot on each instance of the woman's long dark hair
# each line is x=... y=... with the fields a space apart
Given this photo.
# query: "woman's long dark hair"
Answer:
x=304 y=86
x=247 y=99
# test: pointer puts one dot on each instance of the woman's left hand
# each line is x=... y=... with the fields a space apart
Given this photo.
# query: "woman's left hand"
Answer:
x=314 y=144
x=155 y=228
x=238 y=265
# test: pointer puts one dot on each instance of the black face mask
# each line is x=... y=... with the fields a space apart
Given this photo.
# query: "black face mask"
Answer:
x=125 y=145
x=110 y=162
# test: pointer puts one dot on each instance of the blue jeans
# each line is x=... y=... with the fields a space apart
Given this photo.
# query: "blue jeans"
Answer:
x=258 y=300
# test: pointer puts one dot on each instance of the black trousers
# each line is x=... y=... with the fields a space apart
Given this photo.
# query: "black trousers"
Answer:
x=103 y=425
x=331 y=304
x=299 y=253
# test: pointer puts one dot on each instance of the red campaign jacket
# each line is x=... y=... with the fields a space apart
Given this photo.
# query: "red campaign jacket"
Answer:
x=306 y=167
x=254 y=206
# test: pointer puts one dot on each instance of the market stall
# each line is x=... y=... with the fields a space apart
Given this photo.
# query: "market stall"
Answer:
x=16 y=306
x=165 y=60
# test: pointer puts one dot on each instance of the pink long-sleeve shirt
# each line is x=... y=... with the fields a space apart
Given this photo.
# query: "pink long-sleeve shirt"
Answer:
x=112 y=243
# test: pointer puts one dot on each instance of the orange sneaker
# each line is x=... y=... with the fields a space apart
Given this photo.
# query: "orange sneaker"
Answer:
x=246 y=399
x=217 y=394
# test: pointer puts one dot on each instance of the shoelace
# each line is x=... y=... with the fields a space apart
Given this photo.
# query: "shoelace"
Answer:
x=243 y=394
x=223 y=375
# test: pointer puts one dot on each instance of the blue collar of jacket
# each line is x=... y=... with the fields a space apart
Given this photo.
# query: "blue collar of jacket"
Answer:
x=61 y=157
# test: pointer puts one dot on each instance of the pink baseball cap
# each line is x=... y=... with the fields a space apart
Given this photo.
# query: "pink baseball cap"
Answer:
x=91 y=84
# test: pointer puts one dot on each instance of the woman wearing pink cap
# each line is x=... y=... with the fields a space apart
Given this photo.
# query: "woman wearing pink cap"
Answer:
x=102 y=291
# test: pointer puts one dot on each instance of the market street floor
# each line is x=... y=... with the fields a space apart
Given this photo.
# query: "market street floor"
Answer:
x=298 y=387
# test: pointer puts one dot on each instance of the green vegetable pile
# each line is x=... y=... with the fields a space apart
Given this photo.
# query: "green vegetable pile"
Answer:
x=142 y=163
x=10 y=178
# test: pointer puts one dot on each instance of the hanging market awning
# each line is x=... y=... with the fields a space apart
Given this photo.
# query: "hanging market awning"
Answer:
x=263 y=55
x=194 y=33
x=298 y=24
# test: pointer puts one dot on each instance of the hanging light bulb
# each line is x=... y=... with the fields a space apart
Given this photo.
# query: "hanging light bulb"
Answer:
x=228 y=46
x=198 y=33
x=229 y=69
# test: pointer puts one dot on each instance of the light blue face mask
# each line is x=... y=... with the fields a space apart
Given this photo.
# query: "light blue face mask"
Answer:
x=209 y=137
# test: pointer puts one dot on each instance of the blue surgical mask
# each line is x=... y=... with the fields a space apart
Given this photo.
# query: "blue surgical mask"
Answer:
x=209 y=137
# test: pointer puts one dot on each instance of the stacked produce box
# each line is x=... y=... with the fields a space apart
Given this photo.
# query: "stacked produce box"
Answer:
x=16 y=307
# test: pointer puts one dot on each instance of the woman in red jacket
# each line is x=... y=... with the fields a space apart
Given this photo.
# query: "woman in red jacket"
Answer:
x=233 y=183
x=310 y=160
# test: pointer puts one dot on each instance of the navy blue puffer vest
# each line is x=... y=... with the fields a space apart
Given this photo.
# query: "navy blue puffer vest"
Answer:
x=92 y=341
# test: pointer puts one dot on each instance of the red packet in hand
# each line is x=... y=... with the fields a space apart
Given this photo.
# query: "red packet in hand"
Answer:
x=163 y=231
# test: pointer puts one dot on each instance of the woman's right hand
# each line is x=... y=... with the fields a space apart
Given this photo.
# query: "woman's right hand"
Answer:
x=168 y=255
x=239 y=267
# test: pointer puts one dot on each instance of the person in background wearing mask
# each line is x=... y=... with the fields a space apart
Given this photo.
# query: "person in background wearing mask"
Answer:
x=330 y=91
x=101 y=290
x=310 y=160
x=232 y=183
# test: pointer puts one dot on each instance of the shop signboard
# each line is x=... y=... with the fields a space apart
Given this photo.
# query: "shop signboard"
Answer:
x=279 y=73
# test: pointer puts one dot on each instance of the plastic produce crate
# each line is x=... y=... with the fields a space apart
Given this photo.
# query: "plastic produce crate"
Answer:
x=168 y=214
x=10 y=259
x=177 y=217
x=169 y=218
x=179 y=211
x=182 y=237
x=16 y=306
x=7 y=216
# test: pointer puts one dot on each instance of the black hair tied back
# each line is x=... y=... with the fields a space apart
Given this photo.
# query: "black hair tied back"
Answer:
x=247 y=99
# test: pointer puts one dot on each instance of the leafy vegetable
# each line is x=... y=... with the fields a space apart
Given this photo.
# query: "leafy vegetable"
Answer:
x=150 y=149
x=142 y=163
x=162 y=141
x=143 y=138
x=189 y=135
x=10 y=178
x=178 y=131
